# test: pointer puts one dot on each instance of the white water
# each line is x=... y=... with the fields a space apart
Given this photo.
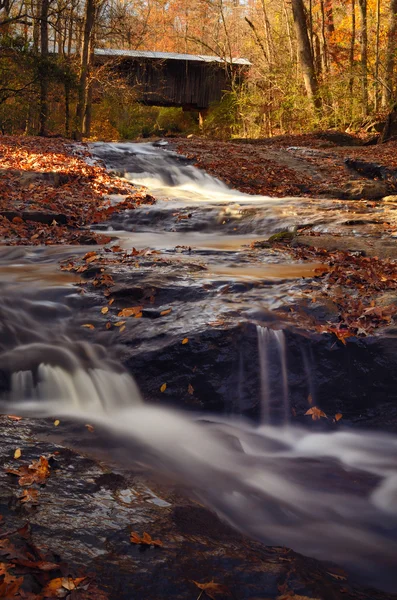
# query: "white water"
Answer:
x=271 y=343
x=284 y=486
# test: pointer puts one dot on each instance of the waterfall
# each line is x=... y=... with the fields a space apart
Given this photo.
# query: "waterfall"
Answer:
x=272 y=353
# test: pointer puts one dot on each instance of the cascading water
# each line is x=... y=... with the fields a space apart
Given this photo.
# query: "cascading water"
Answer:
x=272 y=345
x=331 y=495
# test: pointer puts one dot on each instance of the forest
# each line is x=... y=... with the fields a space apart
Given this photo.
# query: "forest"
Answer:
x=315 y=64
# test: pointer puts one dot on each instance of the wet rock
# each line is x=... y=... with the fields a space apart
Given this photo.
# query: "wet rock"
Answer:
x=369 y=190
x=85 y=515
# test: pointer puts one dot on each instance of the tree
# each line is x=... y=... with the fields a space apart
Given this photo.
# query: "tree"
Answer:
x=305 y=53
x=44 y=65
x=364 y=55
x=387 y=95
x=89 y=22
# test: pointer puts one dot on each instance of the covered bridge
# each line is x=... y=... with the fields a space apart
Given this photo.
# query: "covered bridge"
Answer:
x=167 y=79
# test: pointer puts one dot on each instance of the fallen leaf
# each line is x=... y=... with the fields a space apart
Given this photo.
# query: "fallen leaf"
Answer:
x=14 y=417
x=61 y=586
x=145 y=540
x=165 y=312
x=135 y=311
x=29 y=496
x=111 y=301
x=163 y=387
x=316 y=413
x=212 y=589
x=89 y=427
x=338 y=416
x=88 y=326
x=190 y=389
x=122 y=328
x=17 y=453
x=185 y=340
x=105 y=310
x=56 y=422
x=120 y=323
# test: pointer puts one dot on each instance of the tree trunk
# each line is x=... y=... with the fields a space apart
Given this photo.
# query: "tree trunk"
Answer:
x=351 y=56
x=305 y=53
x=377 y=57
x=364 y=56
x=387 y=95
x=85 y=55
x=390 y=129
x=43 y=67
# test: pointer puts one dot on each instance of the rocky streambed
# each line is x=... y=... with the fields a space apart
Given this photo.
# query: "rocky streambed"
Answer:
x=213 y=318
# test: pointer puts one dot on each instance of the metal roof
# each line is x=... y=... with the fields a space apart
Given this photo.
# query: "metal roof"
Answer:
x=166 y=56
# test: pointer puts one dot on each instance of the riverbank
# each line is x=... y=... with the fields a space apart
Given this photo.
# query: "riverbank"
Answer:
x=50 y=192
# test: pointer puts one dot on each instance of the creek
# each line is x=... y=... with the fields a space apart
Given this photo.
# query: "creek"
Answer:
x=328 y=492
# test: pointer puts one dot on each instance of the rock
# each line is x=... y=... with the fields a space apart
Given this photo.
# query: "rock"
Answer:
x=282 y=237
x=368 y=190
x=53 y=178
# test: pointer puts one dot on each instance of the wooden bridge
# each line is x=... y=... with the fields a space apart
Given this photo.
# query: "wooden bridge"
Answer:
x=191 y=81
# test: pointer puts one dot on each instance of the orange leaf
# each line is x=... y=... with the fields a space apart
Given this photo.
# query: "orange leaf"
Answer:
x=213 y=589
x=165 y=312
x=163 y=387
x=105 y=310
x=338 y=416
x=128 y=312
x=88 y=326
x=89 y=427
x=14 y=418
x=145 y=540
x=185 y=340
x=316 y=413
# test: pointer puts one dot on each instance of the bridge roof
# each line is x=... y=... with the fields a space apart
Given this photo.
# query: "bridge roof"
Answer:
x=166 y=56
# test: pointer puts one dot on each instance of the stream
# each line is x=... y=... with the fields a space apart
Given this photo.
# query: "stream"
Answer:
x=329 y=493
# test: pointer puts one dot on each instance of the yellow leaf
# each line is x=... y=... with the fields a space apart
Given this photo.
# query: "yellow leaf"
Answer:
x=120 y=323
x=163 y=387
x=88 y=326
x=56 y=423
x=165 y=312
x=105 y=310
x=338 y=416
x=17 y=453
x=122 y=328
x=185 y=340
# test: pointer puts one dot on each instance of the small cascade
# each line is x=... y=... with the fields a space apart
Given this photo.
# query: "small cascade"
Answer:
x=273 y=352
x=92 y=389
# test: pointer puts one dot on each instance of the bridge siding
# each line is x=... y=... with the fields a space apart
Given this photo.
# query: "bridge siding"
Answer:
x=190 y=84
